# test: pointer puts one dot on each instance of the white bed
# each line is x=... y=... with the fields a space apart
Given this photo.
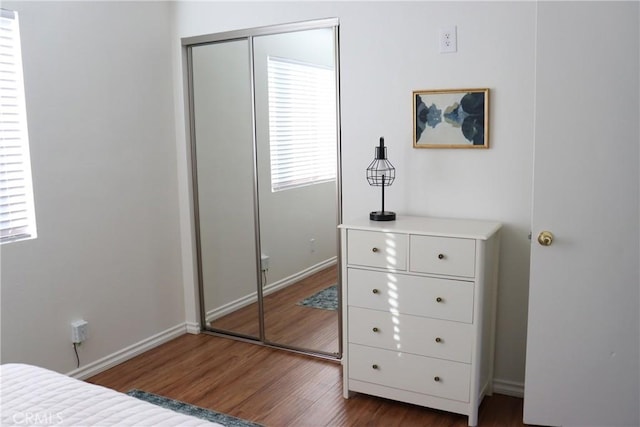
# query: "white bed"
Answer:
x=36 y=396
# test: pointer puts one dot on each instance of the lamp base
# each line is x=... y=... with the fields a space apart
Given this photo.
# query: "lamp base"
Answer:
x=382 y=216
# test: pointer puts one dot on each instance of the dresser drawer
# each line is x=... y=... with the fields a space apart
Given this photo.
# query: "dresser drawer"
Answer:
x=442 y=255
x=411 y=334
x=377 y=249
x=404 y=371
x=417 y=295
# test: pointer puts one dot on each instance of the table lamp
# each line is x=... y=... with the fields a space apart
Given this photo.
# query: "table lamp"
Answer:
x=381 y=173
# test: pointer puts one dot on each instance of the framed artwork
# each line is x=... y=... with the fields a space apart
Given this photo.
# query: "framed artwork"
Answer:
x=451 y=118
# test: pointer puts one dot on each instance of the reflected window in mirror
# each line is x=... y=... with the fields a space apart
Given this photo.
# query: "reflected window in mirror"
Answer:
x=302 y=123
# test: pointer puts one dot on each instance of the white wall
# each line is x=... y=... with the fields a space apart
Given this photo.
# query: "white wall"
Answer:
x=387 y=50
x=100 y=113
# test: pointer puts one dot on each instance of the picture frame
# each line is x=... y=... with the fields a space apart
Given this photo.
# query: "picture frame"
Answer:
x=451 y=118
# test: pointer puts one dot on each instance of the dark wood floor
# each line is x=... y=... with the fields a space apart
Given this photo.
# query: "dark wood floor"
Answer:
x=288 y=323
x=277 y=388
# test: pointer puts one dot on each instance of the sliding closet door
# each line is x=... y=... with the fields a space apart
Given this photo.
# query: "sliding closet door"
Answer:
x=264 y=128
x=297 y=141
x=224 y=183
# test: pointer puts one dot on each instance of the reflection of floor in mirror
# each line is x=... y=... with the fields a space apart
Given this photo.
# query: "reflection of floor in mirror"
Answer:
x=288 y=323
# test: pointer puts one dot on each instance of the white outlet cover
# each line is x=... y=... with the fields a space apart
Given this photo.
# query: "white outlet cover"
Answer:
x=448 y=40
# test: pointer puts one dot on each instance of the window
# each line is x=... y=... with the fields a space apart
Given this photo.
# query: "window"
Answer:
x=302 y=123
x=17 y=216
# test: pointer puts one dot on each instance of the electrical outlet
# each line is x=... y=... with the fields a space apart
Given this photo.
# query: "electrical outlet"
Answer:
x=264 y=262
x=79 y=331
x=312 y=245
x=448 y=40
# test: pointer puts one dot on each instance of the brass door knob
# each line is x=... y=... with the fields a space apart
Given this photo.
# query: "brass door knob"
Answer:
x=374 y=250
x=436 y=379
x=438 y=339
x=375 y=291
x=376 y=330
x=545 y=238
x=375 y=366
x=440 y=256
x=439 y=299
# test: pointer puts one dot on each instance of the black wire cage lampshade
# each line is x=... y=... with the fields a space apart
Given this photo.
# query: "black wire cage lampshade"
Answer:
x=381 y=173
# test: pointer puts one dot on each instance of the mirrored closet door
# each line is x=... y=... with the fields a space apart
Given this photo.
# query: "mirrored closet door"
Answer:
x=264 y=127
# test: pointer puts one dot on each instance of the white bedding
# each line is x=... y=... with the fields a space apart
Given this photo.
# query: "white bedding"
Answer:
x=36 y=396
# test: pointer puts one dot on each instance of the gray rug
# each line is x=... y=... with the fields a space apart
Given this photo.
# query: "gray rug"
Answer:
x=326 y=299
x=187 y=409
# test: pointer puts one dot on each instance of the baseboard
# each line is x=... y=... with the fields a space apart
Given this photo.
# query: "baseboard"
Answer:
x=127 y=353
x=509 y=388
x=193 y=328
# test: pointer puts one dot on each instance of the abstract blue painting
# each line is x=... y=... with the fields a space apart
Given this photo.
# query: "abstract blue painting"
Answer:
x=453 y=118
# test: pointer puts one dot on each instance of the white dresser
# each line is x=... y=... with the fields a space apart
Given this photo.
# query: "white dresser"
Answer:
x=418 y=301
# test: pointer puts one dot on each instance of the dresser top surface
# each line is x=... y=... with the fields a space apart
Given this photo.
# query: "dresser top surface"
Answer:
x=446 y=227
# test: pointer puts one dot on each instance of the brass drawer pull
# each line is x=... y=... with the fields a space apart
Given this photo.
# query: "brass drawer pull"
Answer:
x=375 y=367
x=436 y=379
x=375 y=291
x=375 y=250
x=375 y=330
x=440 y=256
x=438 y=339
x=438 y=299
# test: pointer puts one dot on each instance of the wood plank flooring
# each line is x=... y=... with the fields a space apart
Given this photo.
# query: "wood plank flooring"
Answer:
x=277 y=388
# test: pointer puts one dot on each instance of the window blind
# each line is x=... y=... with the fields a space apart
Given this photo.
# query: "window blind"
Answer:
x=302 y=123
x=17 y=218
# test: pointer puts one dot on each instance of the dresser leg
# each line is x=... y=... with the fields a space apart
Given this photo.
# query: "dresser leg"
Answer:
x=473 y=418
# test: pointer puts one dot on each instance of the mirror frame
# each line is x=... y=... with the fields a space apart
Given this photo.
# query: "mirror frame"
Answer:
x=187 y=44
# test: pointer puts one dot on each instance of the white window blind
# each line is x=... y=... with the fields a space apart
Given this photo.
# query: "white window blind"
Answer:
x=302 y=123
x=17 y=217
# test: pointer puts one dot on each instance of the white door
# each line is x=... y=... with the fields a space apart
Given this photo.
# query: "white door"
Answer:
x=582 y=363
